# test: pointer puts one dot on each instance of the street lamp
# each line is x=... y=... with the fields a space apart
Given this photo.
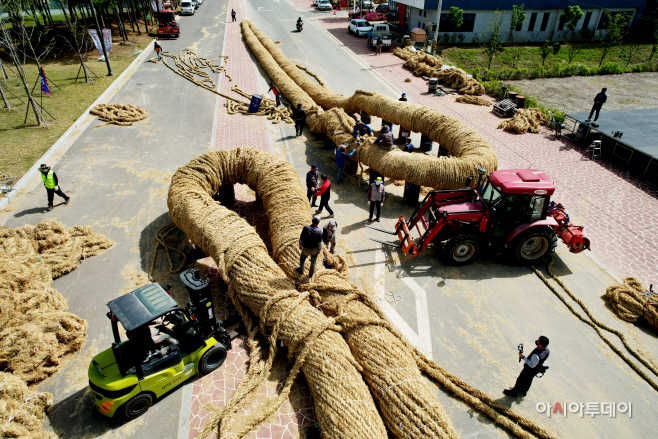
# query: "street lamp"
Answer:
x=102 y=39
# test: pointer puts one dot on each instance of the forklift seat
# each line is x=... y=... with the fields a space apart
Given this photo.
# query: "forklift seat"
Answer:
x=157 y=363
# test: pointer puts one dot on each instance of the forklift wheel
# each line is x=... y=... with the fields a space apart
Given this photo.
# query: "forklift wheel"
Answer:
x=137 y=406
x=533 y=244
x=461 y=249
x=212 y=359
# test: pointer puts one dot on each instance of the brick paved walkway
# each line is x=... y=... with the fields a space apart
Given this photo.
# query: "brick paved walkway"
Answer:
x=619 y=213
x=235 y=131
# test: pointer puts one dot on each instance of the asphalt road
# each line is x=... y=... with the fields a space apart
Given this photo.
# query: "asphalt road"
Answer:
x=469 y=320
x=118 y=178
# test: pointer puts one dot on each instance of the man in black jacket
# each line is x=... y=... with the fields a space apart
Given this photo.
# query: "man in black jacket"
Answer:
x=300 y=119
x=311 y=184
x=599 y=100
x=310 y=243
x=533 y=366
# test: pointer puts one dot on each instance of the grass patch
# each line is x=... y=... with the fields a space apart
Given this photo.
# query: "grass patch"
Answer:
x=22 y=144
x=474 y=57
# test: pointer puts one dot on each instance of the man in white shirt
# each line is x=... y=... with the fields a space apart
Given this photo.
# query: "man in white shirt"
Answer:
x=531 y=367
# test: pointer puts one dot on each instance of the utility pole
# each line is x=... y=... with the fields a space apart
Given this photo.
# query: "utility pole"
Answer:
x=438 y=22
x=102 y=39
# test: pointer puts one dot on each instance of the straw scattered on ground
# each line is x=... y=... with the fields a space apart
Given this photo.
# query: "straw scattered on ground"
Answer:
x=524 y=120
x=427 y=65
x=117 y=114
x=474 y=100
x=22 y=410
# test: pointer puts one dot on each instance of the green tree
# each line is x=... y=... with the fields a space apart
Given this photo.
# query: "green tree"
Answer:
x=654 y=41
x=455 y=17
x=490 y=40
x=570 y=17
x=615 y=32
x=544 y=51
x=518 y=18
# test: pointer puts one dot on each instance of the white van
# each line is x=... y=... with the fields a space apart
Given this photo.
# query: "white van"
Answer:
x=187 y=7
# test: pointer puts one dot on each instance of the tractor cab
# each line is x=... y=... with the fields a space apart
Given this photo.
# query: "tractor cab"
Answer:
x=515 y=198
x=157 y=346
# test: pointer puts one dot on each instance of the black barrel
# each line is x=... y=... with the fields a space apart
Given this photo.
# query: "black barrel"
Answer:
x=365 y=117
x=425 y=143
x=433 y=85
x=411 y=194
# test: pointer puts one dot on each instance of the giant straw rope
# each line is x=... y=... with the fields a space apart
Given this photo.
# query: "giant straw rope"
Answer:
x=355 y=362
x=468 y=148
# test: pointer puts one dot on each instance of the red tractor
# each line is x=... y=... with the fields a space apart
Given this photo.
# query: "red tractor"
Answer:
x=167 y=24
x=510 y=213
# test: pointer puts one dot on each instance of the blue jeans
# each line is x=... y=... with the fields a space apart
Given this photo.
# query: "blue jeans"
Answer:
x=339 y=178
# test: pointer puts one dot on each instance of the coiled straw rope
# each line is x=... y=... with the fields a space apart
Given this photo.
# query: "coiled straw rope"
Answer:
x=597 y=325
x=625 y=299
x=310 y=322
x=117 y=114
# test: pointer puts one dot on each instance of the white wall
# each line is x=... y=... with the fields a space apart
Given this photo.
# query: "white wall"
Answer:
x=484 y=17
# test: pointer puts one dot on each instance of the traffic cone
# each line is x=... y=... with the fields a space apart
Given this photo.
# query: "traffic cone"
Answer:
x=334 y=12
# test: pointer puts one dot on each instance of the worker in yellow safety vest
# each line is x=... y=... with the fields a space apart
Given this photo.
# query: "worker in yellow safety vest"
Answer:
x=52 y=185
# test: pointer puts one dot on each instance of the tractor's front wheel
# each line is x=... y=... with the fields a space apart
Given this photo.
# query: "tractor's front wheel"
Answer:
x=212 y=359
x=533 y=244
x=137 y=406
x=461 y=249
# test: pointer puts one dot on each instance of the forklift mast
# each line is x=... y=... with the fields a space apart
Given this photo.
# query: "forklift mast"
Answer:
x=201 y=306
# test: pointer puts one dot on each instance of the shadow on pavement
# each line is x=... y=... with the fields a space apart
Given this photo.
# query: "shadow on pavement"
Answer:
x=77 y=417
x=31 y=211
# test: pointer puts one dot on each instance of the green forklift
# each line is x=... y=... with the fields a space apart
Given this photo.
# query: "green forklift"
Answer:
x=164 y=346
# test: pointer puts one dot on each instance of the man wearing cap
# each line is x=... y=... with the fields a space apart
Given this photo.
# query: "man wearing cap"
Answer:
x=385 y=139
x=341 y=157
x=329 y=235
x=325 y=193
x=300 y=119
x=312 y=184
x=376 y=195
x=403 y=98
x=361 y=129
x=52 y=185
x=310 y=243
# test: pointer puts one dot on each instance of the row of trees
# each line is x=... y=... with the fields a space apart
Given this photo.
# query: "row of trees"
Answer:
x=33 y=42
x=492 y=40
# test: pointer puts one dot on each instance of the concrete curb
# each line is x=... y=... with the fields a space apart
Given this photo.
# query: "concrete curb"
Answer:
x=79 y=123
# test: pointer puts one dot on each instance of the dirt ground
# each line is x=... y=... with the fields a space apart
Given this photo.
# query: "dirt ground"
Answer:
x=630 y=91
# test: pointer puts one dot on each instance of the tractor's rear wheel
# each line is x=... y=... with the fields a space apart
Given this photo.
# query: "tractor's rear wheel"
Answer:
x=137 y=406
x=461 y=249
x=212 y=359
x=533 y=244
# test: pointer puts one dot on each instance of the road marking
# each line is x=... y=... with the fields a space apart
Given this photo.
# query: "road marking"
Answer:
x=395 y=318
x=422 y=312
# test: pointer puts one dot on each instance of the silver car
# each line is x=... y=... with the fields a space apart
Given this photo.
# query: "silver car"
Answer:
x=325 y=5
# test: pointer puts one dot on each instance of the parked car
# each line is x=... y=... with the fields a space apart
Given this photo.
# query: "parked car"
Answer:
x=367 y=4
x=382 y=8
x=380 y=30
x=359 y=27
x=195 y=3
x=199 y=2
x=315 y=3
x=187 y=7
x=325 y=5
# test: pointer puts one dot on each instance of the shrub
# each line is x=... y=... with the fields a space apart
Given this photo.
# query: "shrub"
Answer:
x=375 y=16
x=610 y=68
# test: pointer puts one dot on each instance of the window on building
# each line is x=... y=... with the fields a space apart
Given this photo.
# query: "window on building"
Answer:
x=603 y=23
x=424 y=13
x=561 y=24
x=418 y=26
x=467 y=26
x=518 y=27
x=588 y=17
x=531 y=24
x=544 y=22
